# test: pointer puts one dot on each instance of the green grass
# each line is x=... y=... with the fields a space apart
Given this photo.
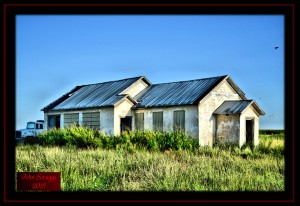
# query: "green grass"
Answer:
x=142 y=168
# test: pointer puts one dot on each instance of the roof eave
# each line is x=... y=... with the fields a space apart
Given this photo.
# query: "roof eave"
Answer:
x=236 y=88
x=223 y=113
x=258 y=109
x=146 y=80
x=126 y=97
x=53 y=104
x=79 y=109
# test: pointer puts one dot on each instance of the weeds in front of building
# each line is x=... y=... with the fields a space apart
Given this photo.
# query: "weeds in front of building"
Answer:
x=82 y=137
x=152 y=161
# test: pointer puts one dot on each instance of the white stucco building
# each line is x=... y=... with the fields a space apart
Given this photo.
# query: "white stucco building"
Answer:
x=210 y=109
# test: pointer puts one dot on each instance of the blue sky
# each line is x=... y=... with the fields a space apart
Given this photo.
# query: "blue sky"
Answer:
x=55 y=53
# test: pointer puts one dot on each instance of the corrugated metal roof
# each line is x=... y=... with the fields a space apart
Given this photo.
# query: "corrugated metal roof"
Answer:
x=92 y=95
x=156 y=95
x=232 y=107
x=61 y=99
x=176 y=93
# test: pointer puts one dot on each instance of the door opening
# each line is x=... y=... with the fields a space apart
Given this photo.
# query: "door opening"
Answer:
x=249 y=131
x=126 y=124
x=54 y=121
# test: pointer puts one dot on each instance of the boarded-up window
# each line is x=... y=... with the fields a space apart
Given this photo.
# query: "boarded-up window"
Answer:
x=91 y=120
x=179 y=121
x=158 y=121
x=139 y=121
x=71 y=119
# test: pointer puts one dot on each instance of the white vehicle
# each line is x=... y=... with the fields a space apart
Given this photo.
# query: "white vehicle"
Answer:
x=32 y=130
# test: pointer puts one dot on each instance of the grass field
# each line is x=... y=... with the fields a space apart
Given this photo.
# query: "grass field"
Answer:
x=199 y=169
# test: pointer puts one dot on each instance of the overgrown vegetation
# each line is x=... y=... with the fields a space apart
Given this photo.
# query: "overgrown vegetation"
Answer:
x=148 y=161
x=272 y=144
x=82 y=137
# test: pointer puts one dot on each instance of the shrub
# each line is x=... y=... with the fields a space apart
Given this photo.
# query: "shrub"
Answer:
x=88 y=138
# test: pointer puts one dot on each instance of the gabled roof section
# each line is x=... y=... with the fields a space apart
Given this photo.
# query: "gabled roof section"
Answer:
x=176 y=93
x=236 y=88
x=143 y=78
x=237 y=107
x=125 y=96
x=92 y=95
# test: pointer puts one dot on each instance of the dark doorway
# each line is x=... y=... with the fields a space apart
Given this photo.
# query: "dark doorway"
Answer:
x=126 y=124
x=54 y=121
x=249 y=131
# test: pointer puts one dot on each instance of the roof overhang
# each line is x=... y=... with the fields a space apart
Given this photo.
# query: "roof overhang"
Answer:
x=54 y=111
x=61 y=99
x=145 y=80
x=257 y=108
x=142 y=78
x=124 y=98
x=235 y=87
x=237 y=107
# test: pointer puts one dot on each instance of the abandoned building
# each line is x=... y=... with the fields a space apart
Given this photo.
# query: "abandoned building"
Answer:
x=213 y=110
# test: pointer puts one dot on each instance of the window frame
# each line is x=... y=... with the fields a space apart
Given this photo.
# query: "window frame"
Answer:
x=92 y=121
x=70 y=123
x=157 y=124
x=179 y=121
x=139 y=124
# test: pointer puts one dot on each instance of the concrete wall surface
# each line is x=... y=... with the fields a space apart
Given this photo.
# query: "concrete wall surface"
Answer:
x=207 y=121
x=228 y=129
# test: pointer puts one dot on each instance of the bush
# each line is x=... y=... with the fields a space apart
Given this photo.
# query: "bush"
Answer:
x=88 y=138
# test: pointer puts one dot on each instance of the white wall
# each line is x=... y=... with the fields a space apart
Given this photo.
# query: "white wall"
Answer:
x=207 y=121
x=249 y=113
x=191 y=118
x=106 y=118
x=121 y=110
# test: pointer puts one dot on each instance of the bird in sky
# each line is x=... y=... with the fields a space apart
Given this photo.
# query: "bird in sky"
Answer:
x=276 y=47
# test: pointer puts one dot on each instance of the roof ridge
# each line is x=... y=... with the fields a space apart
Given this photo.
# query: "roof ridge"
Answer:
x=137 y=77
x=191 y=80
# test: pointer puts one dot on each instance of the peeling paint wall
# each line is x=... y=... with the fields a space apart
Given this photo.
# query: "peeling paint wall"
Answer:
x=249 y=113
x=121 y=110
x=207 y=122
x=228 y=129
x=191 y=118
